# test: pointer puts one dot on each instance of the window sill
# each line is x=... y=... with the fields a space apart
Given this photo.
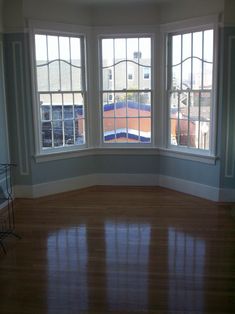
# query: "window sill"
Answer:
x=208 y=159
x=203 y=158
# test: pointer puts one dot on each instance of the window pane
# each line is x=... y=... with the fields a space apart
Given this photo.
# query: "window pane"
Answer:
x=120 y=79
x=108 y=83
x=186 y=74
x=120 y=105
x=58 y=133
x=197 y=74
x=145 y=104
x=80 y=131
x=53 y=48
x=194 y=118
x=176 y=77
x=145 y=78
x=121 y=129
x=208 y=45
x=133 y=104
x=197 y=45
x=64 y=50
x=45 y=112
x=46 y=134
x=187 y=46
x=66 y=76
x=107 y=52
x=132 y=75
x=145 y=50
x=68 y=112
x=207 y=76
x=41 y=49
x=76 y=79
x=42 y=78
x=133 y=49
x=145 y=130
x=176 y=49
x=69 y=132
x=54 y=74
x=119 y=49
x=109 y=129
x=133 y=130
x=75 y=51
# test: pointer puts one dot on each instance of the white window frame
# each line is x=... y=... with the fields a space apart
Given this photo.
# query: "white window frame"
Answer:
x=57 y=29
x=193 y=25
x=125 y=34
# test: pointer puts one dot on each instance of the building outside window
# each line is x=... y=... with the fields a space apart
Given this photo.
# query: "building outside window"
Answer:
x=190 y=89
x=60 y=90
x=146 y=73
x=127 y=117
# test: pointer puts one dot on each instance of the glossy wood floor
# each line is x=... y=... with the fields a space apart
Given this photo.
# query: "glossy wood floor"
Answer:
x=120 y=250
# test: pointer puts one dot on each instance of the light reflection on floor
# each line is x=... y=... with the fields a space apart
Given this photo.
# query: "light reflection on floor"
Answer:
x=127 y=259
x=186 y=262
x=67 y=256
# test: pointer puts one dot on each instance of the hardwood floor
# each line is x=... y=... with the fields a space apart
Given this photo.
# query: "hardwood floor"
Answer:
x=120 y=250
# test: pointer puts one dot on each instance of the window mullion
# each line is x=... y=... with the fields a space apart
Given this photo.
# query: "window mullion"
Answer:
x=58 y=38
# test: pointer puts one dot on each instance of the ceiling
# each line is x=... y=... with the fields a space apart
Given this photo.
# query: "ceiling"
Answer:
x=111 y=2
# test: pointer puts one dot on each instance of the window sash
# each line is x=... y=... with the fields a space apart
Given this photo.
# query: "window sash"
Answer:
x=126 y=125
x=189 y=127
x=60 y=132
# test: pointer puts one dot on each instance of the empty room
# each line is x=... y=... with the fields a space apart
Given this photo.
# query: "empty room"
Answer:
x=117 y=156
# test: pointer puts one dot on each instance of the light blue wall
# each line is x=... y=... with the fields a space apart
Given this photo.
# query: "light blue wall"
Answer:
x=3 y=118
x=227 y=110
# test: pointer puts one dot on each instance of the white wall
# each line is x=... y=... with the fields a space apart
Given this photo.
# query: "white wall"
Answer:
x=185 y=9
x=137 y=14
x=57 y=12
x=229 y=12
x=1 y=16
x=16 y=12
x=13 y=15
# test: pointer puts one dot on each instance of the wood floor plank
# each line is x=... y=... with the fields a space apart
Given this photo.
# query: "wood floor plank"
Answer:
x=120 y=250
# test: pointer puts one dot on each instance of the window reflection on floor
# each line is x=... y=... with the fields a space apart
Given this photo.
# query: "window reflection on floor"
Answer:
x=186 y=262
x=67 y=270
x=127 y=259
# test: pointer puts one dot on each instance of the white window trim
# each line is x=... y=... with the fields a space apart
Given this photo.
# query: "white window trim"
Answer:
x=38 y=27
x=192 y=25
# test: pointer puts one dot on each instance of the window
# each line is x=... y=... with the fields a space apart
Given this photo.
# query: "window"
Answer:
x=127 y=116
x=60 y=91
x=190 y=89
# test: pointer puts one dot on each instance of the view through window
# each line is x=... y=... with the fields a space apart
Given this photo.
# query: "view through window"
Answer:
x=126 y=90
x=190 y=88
x=60 y=86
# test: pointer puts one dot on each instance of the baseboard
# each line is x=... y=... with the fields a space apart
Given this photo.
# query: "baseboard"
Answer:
x=189 y=187
x=54 y=187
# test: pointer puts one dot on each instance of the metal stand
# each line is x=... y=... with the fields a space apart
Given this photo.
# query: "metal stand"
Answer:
x=7 y=216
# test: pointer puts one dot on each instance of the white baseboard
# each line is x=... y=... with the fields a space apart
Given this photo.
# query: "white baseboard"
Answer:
x=54 y=187
x=189 y=187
